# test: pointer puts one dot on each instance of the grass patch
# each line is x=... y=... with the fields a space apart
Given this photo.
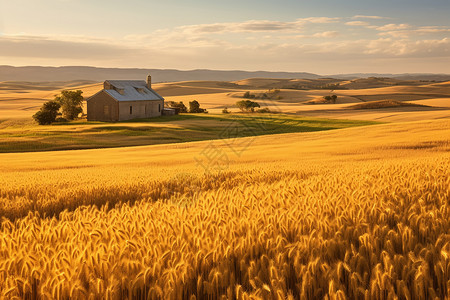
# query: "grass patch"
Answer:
x=161 y=130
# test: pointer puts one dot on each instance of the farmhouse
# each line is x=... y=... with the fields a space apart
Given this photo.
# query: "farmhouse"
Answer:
x=125 y=100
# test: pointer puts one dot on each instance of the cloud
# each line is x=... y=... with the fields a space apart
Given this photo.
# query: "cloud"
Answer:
x=391 y=27
x=421 y=31
x=248 y=26
x=432 y=29
x=319 y=20
x=252 y=44
x=368 y=17
x=41 y=46
x=326 y=34
x=255 y=25
x=409 y=48
x=357 y=23
x=396 y=33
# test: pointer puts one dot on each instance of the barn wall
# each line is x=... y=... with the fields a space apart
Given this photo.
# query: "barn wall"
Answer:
x=97 y=111
x=140 y=109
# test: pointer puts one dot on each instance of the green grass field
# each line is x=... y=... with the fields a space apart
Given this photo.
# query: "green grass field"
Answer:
x=27 y=137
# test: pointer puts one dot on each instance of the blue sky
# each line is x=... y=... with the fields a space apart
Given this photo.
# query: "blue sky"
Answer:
x=328 y=36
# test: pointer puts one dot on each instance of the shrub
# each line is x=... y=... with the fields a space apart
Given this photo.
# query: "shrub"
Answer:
x=263 y=110
x=61 y=120
x=194 y=107
x=48 y=112
x=178 y=106
x=225 y=111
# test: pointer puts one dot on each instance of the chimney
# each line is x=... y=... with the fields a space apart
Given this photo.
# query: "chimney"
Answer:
x=107 y=85
x=149 y=81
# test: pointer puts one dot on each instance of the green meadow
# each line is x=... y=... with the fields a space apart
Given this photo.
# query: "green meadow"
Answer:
x=28 y=137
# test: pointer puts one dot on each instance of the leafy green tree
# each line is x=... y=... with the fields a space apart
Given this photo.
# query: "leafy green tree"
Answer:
x=194 y=107
x=48 y=112
x=71 y=103
x=247 y=105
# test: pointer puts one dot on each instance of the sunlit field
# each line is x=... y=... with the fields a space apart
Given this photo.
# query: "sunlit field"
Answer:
x=26 y=136
x=358 y=213
x=225 y=150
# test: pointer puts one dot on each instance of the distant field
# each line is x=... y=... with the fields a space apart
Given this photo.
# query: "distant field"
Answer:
x=20 y=100
x=17 y=136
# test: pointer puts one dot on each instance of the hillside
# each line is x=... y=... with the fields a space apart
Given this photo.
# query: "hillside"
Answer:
x=9 y=73
x=67 y=73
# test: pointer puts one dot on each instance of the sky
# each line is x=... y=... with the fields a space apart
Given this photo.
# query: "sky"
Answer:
x=322 y=36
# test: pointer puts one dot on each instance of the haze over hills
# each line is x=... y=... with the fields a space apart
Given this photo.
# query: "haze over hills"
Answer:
x=67 y=73
x=36 y=73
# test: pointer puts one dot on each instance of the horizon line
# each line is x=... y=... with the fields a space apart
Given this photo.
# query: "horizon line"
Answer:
x=219 y=70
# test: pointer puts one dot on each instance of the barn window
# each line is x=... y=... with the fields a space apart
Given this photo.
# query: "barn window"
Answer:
x=131 y=109
x=145 y=109
x=106 y=110
x=159 y=107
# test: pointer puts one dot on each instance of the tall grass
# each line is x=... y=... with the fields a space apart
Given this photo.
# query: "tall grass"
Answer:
x=366 y=230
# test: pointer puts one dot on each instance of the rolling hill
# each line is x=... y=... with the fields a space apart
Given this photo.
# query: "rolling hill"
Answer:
x=67 y=73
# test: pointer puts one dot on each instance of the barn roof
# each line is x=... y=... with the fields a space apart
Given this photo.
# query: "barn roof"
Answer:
x=131 y=90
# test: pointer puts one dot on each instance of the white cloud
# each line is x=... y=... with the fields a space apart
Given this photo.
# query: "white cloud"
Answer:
x=326 y=34
x=432 y=29
x=357 y=23
x=409 y=48
x=391 y=27
x=421 y=31
x=368 y=17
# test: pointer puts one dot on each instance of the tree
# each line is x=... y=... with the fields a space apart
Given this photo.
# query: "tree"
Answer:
x=178 y=106
x=330 y=99
x=48 y=112
x=71 y=103
x=333 y=99
x=194 y=107
x=247 y=105
x=248 y=95
x=327 y=99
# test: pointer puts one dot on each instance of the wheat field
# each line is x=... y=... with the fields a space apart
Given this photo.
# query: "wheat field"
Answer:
x=20 y=100
x=356 y=213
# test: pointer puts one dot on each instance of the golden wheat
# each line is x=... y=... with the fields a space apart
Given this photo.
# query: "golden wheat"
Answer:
x=337 y=226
